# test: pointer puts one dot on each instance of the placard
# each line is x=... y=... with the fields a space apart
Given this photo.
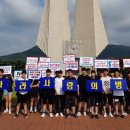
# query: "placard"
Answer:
x=44 y=60
x=69 y=86
x=113 y=64
x=22 y=85
x=69 y=58
x=94 y=86
x=32 y=60
x=71 y=65
x=35 y=74
x=101 y=64
x=7 y=69
x=31 y=67
x=17 y=74
x=86 y=61
x=126 y=63
x=55 y=66
x=118 y=84
x=43 y=66
x=47 y=83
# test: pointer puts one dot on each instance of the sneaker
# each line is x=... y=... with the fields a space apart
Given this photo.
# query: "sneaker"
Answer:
x=61 y=114
x=105 y=114
x=85 y=114
x=125 y=114
x=25 y=116
x=92 y=116
x=51 y=115
x=79 y=114
x=9 y=111
x=6 y=111
x=110 y=114
x=16 y=116
x=96 y=116
x=35 y=110
x=67 y=115
x=57 y=114
x=31 y=110
x=74 y=115
x=43 y=115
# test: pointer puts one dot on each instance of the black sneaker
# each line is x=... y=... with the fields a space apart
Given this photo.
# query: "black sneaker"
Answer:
x=92 y=116
x=25 y=116
x=66 y=115
x=116 y=116
x=16 y=116
x=96 y=116
x=74 y=115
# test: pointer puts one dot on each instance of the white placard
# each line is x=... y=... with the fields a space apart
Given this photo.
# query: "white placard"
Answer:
x=44 y=60
x=31 y=67
x=7 y=69
x=43 y=66
x=55 y=66
x=52 y=73
x=126 y=63
x=34 y=74
x=32 y=60
x=101 y=64
x=113 y=64
x=86 y=61
x=17 y=74
x=71 y=65
x=69 y=58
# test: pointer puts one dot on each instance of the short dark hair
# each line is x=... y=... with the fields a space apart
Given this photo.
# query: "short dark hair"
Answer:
x=105 y=70
x=117 y=70
x=93 y=71
x=48 y=71
x=70 y=70
x=88 y=69
x=1 y=70
x=83 y=69
x=60 y=72
x=24 y=72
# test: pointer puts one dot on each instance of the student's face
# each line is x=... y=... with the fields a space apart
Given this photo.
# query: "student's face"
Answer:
x=48 y=74
x=70 y=74
x=105 y=73
x=1 y=74
x=117 y=74
x=84 y=72
x=93 y=74
x=60 y=75
x=112 y=74
x=88 y=72
x=23 y=76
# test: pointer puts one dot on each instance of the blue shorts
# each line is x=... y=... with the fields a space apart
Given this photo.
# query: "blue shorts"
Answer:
x=7 y=93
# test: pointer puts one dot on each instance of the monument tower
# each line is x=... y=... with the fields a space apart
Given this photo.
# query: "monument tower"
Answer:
x=89 y=27
x=54 y=29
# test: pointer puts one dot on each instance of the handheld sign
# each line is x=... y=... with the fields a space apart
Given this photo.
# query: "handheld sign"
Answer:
x=22 y=85
x=69 y=85
x=118 y=84
x=94 y=86
x=47 y=83
x=3 y=83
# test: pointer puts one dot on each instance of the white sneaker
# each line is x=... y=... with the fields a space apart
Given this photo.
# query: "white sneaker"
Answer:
x=9 y=111
x=61 y=114
x=79 y=114
x=51 y=115
x=110 y=114
x=6 y=111
x=31 y=110
x=125 y=114
x=43 y=115
x=85 y=114
x=35 y=110
x=57 y=114
x=105 y=114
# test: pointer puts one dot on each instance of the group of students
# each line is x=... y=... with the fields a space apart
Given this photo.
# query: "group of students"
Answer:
x=56 y=102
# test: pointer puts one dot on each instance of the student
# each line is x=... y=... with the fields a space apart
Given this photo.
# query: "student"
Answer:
x=83 y=96
x=8 y=93
x=48 y=97
x=22 y=97
x=34 y=95
x=59 y=95
x=127 y=94
x=118 y=97
x=70 y=97
x=107 y=95
x=94 y=98
x=1 y=91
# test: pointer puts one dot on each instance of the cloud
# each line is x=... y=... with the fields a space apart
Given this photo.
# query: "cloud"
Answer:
x=20 y=20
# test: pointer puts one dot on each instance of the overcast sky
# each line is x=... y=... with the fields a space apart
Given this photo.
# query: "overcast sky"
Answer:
x=20 y=19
